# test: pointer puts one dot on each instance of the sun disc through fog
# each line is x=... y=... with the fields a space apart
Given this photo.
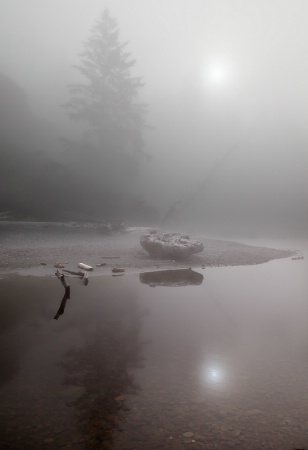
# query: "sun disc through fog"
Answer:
x=216 y=75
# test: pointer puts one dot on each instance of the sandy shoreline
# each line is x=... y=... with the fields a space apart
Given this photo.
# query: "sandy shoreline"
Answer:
x=33 y=250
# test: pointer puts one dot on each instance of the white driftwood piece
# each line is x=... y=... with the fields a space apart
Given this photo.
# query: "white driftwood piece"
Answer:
x=170 y=245
x=84 y=266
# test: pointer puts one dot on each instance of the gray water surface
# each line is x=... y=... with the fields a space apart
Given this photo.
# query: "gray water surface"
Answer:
x=219 y=364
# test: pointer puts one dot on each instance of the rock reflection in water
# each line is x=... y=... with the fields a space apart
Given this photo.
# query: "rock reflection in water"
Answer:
x=170 y=278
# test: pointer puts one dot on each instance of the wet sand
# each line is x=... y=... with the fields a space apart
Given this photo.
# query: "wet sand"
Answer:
x=33 y=249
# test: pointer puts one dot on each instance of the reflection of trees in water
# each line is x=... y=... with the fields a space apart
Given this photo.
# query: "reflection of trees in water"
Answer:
x=22 y=306
x=101 y=368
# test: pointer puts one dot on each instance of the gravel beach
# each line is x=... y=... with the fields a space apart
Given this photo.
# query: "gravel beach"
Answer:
x=34 y=248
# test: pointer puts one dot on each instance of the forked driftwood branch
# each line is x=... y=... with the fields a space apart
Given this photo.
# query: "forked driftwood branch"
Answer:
x=82 y=275
x=66 y=296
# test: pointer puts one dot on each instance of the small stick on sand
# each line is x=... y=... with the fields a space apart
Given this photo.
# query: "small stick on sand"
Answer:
x=110 y=257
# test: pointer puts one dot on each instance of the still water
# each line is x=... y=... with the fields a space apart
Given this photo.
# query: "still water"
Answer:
x=217 y=359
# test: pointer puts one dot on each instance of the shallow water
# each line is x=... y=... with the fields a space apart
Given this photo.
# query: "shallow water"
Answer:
x=213 y=363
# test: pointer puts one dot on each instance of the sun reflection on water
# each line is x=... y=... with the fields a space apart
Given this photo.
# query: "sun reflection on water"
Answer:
x=213 y=375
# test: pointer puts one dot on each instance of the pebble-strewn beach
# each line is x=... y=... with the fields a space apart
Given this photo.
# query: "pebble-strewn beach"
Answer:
x=36 y=247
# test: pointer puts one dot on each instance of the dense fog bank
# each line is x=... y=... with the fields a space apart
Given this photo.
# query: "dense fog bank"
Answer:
x=192 y=123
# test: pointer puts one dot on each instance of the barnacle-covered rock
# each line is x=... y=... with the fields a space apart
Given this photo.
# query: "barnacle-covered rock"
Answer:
x=170 y=245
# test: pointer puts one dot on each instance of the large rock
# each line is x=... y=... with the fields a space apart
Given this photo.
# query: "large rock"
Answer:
x=170 y=245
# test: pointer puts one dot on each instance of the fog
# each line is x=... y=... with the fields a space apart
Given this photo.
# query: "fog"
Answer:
x=226 y=87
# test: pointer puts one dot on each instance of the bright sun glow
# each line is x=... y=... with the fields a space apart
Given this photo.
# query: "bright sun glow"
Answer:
x=216 y=74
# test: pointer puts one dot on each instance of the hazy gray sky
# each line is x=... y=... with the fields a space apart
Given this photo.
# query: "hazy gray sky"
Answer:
x=258 y=48
x=216 y=72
